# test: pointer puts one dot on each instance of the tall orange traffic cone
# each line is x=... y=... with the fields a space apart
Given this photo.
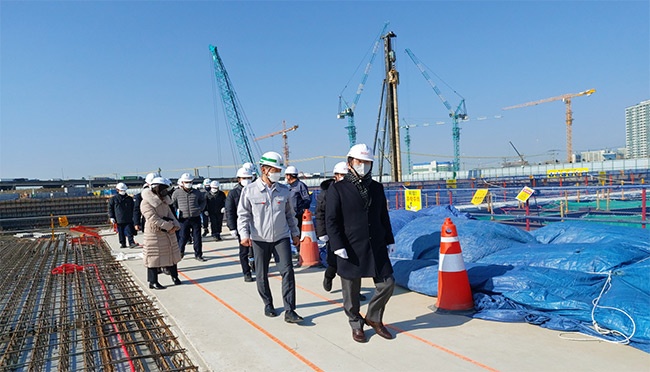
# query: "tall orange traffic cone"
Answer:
x=309 y=254
x=454 y=292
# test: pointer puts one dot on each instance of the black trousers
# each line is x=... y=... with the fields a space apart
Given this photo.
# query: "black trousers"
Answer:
x=152 y=273
x=192 y=226
x=216 y=222
x=330 y=272
x=124 y=231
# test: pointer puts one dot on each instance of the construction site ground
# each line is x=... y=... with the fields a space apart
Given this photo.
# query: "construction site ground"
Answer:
x=219 y=318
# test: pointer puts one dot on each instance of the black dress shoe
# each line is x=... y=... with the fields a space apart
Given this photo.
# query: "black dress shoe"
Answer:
x=156 y=286
x=359 y=335
x=291 y=317
x=200 y=259
x=177 y=281
x=270 y=311
x=380 y=329
x=248 y=278
x=327 y=284
x=362 y=297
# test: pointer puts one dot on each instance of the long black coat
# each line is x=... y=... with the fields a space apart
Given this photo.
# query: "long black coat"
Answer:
x=321 y=202
x=364 y=234
x=120 y=207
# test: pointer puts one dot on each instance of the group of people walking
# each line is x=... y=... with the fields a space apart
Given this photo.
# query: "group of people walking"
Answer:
x=264 y=215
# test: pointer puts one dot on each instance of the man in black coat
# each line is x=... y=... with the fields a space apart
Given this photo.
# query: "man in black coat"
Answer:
x=120 y=212
x=244 y=177
x=215 y=206
x=359 y=231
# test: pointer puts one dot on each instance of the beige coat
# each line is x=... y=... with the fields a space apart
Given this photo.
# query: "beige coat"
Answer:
x=160 y=247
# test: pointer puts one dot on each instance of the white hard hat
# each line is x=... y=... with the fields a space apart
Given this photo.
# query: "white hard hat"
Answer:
x=161 y=181
x=215 y=184
x=341 y=168
x=272 y=159
x=248 y=166
x=186 y=177
x=361 y=151
x=121 y=186
x=150 y=177
x=291 y=170
x=206 y=182
x=244 y=173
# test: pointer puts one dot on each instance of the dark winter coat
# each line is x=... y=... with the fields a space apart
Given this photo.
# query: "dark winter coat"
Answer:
x=120 y=207
x=138 y=218
x=321 y=201
x=365 y=234
x=300 y=197
x=232 y=201
x=214 y=202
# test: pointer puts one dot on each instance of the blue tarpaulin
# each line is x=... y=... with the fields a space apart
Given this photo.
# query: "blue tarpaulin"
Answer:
x=569 y=276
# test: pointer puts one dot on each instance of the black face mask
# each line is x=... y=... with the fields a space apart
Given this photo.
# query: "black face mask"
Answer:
x=160 y=190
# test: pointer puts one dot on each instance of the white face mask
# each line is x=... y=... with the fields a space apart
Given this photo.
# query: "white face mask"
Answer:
x=362 y=168
x=122 y=192
x=274 y=177
x=245 y=182
x=187 y=185
x=213 y=190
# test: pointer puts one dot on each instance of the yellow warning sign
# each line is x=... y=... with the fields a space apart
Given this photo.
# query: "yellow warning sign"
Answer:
x=63 y=221
x=524 y=194
x=479 y=195
x=413 y=200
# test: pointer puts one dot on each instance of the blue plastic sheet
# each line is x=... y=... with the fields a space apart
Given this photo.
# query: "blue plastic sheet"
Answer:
x=566 y=276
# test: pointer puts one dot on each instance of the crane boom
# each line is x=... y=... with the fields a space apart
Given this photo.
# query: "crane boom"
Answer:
x=348 y=111
x=234 y=113
x=283 y=132
x=459 y=114
x=568 y=116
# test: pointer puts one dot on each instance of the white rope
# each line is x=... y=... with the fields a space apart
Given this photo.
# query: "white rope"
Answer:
x=605 y=331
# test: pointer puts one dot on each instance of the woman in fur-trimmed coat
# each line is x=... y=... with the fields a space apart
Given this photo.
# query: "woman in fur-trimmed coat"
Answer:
x=160 y=244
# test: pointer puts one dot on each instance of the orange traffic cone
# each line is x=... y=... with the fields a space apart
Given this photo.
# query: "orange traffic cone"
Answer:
x=454 y=292
x=309 y=254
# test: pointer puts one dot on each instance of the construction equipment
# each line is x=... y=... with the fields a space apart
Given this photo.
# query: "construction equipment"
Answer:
x=346 y=110
x=523 y=161
x=283 y=132
x=459 y=114
x=407 y=133
x=569 y=114
x=238 y=123
x=392 y=113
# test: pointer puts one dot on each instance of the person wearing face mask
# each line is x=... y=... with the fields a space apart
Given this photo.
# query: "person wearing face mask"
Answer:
x=189 y=203
x=138 y=218
x=120 y=213
x=360 y=235
x=300 y=199
x=339 y=171
x=160 y=243
x=267 y=221
x=205 y=216
x=215 y=206
x=244 y=177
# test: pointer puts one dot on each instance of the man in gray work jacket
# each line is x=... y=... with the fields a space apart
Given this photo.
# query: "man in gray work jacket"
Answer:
x=189 y=204
x=266 y=221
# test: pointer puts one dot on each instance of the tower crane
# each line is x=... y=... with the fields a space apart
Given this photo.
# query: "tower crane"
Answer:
x=236 y=119
x=569 y=114
x=407 y=133
x=283 y=132
x=347 y=110
x=456 y=115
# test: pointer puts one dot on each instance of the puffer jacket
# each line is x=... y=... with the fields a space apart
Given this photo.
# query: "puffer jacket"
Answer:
x=189 y=203
x=160 y=244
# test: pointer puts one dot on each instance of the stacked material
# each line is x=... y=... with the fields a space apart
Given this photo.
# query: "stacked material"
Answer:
x=66 y=305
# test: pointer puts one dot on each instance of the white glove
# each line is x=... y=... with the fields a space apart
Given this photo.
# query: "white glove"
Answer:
x=324 y=238
x=391 y=248
x=233 y=233
x=113 y=220
x=223 y=210
x=341 y=253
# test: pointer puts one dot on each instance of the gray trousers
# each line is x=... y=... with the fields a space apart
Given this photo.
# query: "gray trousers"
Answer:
x=262 y=253
x=351 y=304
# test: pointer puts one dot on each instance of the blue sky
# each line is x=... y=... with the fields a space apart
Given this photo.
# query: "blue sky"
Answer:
x=106 y=88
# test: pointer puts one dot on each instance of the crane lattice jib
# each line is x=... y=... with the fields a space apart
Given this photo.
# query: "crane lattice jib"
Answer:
x=348 y=111
x=233 y=110
x=455 y=115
